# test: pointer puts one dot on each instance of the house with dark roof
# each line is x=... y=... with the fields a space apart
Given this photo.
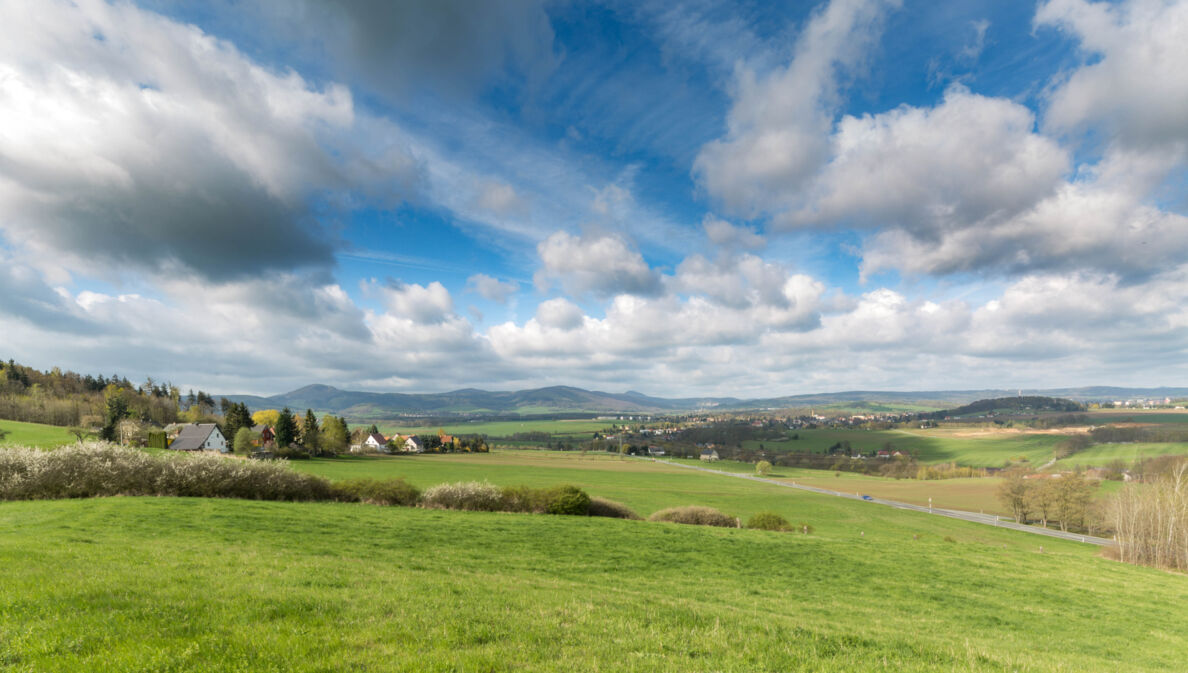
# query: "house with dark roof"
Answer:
x=200 y=437
x=709 y=455
x=376 y=442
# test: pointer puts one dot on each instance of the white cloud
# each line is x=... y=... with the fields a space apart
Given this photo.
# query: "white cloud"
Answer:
x=778 y=128
x=599 y=264
x=1136 y=87
x=422 y=304
x=492 y=289
x=559 y=313
x=729 y=236
x=130 y=139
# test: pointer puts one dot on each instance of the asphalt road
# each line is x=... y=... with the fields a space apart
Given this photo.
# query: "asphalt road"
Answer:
x=987 y=519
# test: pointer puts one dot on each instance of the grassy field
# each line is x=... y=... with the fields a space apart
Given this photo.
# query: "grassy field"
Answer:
x=977 y=447
x=1101 y=454
x=34 y=434
x=162 y=584
x=583 y=429
x=1161 y=416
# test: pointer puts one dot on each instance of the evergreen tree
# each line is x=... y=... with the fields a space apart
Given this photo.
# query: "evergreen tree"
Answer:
x=309 y=432
x=286 y=428
x=373 y=430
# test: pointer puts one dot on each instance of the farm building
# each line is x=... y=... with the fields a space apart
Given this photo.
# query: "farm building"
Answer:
x=200 y=437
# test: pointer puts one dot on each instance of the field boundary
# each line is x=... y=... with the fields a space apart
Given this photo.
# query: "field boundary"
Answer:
x=985 y=519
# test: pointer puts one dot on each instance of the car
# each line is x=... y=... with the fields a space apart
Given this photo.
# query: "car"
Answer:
x=867 y=497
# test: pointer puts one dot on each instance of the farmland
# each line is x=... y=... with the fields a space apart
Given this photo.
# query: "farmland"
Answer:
x=573 y=429
x=34 y=434
x=973 y=446
x=129 y=584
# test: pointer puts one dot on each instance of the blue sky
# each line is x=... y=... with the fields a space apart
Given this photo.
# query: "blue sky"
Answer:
x=734 y=198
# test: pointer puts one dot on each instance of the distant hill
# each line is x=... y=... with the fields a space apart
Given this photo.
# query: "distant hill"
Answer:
x=570 y=400
x=1013 y=405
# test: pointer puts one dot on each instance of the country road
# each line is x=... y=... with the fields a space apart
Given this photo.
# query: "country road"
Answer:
x=987 y=519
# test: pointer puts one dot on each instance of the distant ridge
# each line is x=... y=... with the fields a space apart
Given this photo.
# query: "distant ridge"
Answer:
x=571 y=400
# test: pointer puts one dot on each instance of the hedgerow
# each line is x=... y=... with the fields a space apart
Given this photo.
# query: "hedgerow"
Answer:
x=694 y=515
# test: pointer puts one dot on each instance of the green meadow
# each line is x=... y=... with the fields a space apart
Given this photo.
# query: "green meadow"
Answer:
x=167 y=584
x=1102 y=454
x=973 y=446
x=34 y=434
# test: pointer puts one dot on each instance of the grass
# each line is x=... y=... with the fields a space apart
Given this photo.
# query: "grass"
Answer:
x=1100 y=454
x=34 y=434
x=1103 y=416
x=164 y=584
x=976 y=447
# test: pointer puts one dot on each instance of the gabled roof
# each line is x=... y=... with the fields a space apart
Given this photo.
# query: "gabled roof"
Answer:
x=377 y=437
x=193 y=436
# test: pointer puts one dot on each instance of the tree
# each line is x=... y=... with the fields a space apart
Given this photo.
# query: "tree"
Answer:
x=1073 y=494
x=235 y=417
x=1013 y=493
x=1042 y=497
x=266 y=417
x=310 y=433
x=335 y=436
x=116 y=410
x=285 y=428
x=373 y=430
x=763 y=468
x=244 y=437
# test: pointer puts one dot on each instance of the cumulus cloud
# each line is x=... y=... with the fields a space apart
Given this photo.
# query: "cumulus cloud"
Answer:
x=778 y=127
x=966 y=162
x=559 y=313
x=1135 y=90
x=423 y=304
x=599 y=264
x=492 y=289
x=132 y=140
x=729 y=236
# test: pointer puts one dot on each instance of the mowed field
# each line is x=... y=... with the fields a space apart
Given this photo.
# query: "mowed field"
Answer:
x=973 y=446
x=34 y=434
x=168 y=584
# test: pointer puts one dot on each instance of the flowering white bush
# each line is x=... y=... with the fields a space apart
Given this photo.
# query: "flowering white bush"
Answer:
x=102 y=469
x=468 y=495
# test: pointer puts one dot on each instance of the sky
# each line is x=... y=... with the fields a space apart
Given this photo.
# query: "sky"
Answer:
x=684 y=199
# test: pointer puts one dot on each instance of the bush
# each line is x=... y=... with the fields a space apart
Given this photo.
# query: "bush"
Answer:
x=101 y=469
x=612 y=509
x=473 y=496
x=769 y=521
x=569 y=500
x=377 y=492
x=763 y=468
x=694 y=515
x=803 y=527
x=555 y=500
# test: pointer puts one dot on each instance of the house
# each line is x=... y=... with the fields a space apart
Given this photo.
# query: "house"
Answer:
x=447 y=440
x=410 y=444
x=883 y=453
x=655 y=451
x=376 y=442
x=265 y=433
x=200 y=437
x=709 y=455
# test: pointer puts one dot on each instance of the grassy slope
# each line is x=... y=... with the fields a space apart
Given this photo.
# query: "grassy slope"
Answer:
x=130 y=584
x=1100 y=454
x=988 y=449
x=34 y=434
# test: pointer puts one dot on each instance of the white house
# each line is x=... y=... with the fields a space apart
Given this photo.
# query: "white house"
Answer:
x=376 y=442
x=709 y=455
x=411 y=445
x=200 y=437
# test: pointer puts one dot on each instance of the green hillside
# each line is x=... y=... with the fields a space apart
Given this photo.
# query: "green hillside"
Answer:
x=161 y=584
x=34 y=434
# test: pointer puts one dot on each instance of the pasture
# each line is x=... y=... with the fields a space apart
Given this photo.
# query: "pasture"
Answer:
x=1103 y=454
x=34 y=434
x=575 y=429
x=169 y=584
x=972 y=446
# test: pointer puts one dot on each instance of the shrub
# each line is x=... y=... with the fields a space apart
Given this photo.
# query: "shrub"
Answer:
x=769 y=521
x=471 y=495
x=694 y=515
x=377 y=492
x=610 y=508
x=805 y=528
x=569 y=500
x=102 y=469
x=763 y=468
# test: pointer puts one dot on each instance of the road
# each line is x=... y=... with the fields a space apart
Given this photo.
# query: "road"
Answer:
x=987 y=519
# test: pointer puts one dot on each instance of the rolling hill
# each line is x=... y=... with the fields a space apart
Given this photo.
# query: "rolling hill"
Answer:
x=361 y=405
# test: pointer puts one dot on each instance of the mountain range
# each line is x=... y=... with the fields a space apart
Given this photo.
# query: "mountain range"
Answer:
x=472 y=402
